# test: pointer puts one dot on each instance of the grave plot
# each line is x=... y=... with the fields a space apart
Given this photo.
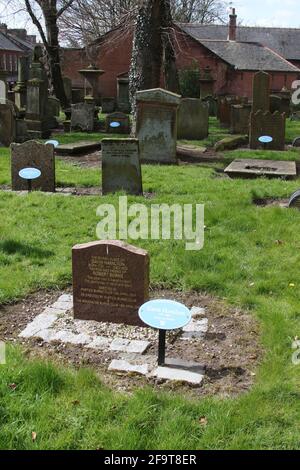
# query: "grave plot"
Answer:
x=221 y=343
x=249 y=168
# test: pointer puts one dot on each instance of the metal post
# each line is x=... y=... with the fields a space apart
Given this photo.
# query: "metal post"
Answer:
x=29 y=186
x=162 y=348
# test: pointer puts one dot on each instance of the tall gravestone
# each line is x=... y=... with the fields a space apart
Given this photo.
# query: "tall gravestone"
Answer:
x=21 y=86
x=68 y=88
x=121 y=167
x=157 y=125
x=33 y=154
x=37 y=98
x=261 y=92
x=110 y=282
x=193 y=119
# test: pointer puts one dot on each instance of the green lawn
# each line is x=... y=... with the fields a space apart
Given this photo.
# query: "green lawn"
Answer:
x=240 y=263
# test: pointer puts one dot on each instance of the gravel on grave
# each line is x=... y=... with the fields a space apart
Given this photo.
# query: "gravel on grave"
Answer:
x=108 y=330
x=230 y=351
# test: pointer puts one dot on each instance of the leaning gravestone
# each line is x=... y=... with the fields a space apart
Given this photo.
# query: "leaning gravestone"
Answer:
x=83 y=117
x=33 y=154
x=193 y=119
x=261 y=92
x=110 y=282
x=157 y=125
x=119 y=118
x=121 y=167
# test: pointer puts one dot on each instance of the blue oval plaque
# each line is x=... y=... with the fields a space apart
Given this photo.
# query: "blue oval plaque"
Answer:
x=265 y=139
x=115 y=124
x=165 y=315
x=55 y=143
x=30 y=173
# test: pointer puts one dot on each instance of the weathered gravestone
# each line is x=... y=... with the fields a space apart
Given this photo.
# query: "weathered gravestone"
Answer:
x=83 y=117
x=280 y=104
x=224 y=109
x=123 y=93
x=7 y=124
x=68 y=88
x=261 y=92
x=266 y=123
x=53 y=112
x=117 y=118
x=21 y=86
x=37 y=98
x=193 y=119
x=249 y=168
x=3 y=87
x=110 y=282
x=108 y=105
x=157 y=125
x=121 y=167
x=240 y=119
x=33 y=154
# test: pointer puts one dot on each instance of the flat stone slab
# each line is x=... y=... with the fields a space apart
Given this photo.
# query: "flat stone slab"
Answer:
x=178 y=375
x=84 y=146
x=196 y=329
x=127 y=367
x=248 y=168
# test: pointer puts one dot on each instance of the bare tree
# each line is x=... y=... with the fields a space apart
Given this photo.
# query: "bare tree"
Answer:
x=86 y=20
x=51 y=11
x=200 y=11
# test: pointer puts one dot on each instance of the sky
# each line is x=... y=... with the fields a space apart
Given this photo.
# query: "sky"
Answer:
x=281 y=13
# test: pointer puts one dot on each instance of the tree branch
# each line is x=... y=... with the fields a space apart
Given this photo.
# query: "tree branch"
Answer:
x=64 y=8
x=36 y=22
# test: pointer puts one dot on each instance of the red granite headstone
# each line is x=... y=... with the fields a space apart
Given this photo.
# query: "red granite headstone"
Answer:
x=110 y=282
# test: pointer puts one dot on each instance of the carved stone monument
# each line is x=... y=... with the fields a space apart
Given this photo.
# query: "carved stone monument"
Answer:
x=157 y=125
x=110 y=282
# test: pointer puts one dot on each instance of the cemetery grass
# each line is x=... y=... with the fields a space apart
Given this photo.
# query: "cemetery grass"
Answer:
x=250 y=260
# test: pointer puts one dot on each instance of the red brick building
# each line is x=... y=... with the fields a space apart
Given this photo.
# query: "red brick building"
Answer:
x=232 y=53
x=14 y=43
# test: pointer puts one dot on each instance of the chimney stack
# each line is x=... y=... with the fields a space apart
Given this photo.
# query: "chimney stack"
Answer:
x=232 y=25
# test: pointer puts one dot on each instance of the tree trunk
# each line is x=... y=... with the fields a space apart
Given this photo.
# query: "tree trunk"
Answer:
x=53 y=53
x=153 y=53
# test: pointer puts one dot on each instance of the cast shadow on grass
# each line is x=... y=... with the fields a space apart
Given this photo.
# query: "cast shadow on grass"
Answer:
x=12 y=247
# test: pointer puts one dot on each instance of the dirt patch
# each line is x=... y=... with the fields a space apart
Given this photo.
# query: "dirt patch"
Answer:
x=271 y=202
x=230 y=351
x=89 y=160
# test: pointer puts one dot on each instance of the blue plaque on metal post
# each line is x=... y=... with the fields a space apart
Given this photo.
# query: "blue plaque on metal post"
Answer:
x=164 y=315
x=30 y=174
